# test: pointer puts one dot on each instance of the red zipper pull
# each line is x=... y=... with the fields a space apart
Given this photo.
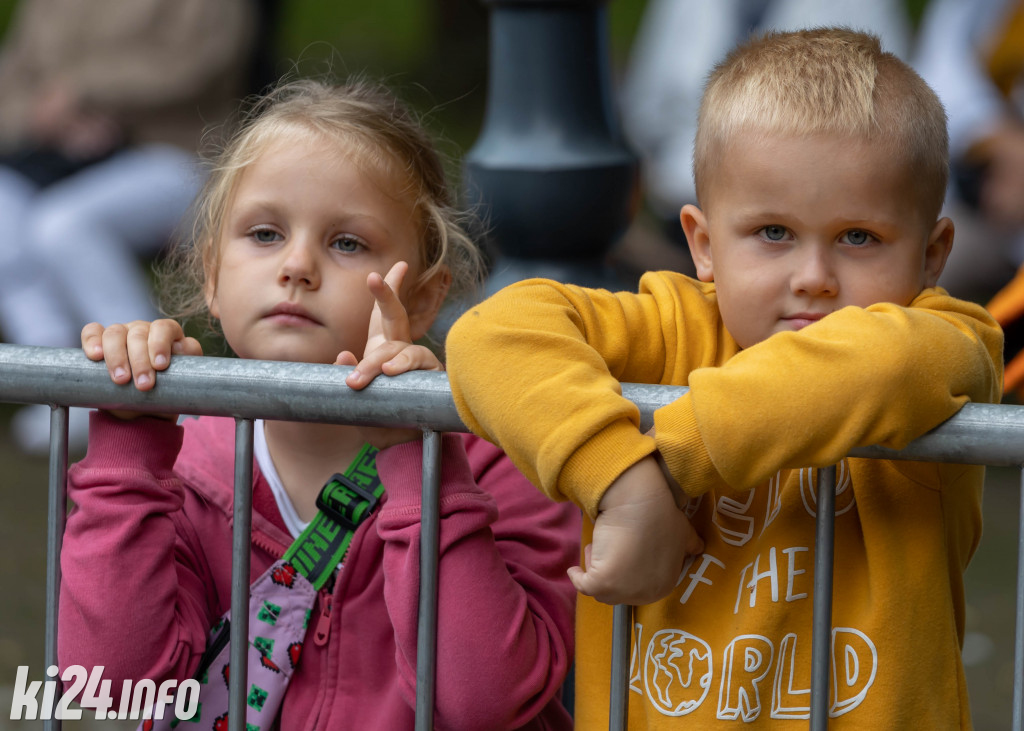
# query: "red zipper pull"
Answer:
x=323 y=622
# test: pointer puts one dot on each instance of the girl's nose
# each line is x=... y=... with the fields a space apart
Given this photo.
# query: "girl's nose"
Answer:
x=814 y=273
x=299 y=266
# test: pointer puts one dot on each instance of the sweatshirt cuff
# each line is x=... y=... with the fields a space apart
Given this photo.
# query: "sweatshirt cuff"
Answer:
x=115 y=443
x=599 y=461
x=401 y=468
x=682 y=448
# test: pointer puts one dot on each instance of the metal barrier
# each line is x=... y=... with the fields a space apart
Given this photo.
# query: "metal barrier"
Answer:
x=245 y=390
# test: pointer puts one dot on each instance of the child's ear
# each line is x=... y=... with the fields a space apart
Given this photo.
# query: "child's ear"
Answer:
x=425 y=302
x=695 y=226
x=940 y=242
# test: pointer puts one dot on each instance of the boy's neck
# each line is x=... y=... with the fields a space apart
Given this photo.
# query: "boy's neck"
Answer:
x=306 y=455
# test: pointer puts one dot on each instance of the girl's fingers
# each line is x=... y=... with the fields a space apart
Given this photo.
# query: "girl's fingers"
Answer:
x=92 y=341
x=163 y=334
x=114 y=341
x=392 y=359
x=411 y=358
x=396 y=275
x=370 y=366
x=137 y=349
x=188 y=346
x=138 y=355
x=388 y=347
x=394 y=321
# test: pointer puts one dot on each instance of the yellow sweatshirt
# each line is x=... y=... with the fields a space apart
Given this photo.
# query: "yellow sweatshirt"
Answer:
x=536 y=369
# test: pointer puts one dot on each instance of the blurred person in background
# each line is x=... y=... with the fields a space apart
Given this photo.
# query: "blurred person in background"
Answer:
x=102 y=108
x=972 y=54
x=676 y=45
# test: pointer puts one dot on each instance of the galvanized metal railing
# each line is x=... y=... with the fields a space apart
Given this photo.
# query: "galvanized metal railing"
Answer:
x=243 y=389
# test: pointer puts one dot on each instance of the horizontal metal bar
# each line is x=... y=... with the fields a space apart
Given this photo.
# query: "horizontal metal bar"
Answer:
x=247 y=389
x=991 y=434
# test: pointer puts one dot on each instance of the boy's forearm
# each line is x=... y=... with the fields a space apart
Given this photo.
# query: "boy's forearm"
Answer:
x=678 y=493
x=882 y=375
x=681 y=449
x=531 y=369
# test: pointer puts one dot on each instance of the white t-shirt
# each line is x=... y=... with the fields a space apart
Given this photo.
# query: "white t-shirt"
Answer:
x=291 y=517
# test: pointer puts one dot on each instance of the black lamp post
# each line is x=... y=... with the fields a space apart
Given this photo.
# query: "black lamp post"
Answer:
x=550 y=170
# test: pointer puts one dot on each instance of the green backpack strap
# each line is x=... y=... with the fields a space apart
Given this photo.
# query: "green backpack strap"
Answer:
x=344 y=502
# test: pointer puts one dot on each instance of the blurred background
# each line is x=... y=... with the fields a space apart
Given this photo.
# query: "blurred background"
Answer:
x=434 y=53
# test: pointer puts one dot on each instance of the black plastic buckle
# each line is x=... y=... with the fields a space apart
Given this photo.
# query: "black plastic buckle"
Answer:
x=346 y=514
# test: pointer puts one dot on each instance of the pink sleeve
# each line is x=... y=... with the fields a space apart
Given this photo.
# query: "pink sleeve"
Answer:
x=132 y=591
x=505 y=607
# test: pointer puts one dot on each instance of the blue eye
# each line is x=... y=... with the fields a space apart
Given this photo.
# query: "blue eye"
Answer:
x=774 y=233
x=265 y=235
x=857 y=237
x=347 y=244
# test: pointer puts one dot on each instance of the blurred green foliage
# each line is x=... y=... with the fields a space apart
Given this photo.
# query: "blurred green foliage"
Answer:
x=6 y=10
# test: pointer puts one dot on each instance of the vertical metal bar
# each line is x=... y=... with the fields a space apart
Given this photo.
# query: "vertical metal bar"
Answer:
x=240 y=539
x=56 y=514
x=821 y=638
x=430 y=535
x=1018 y=644
x=622 y=628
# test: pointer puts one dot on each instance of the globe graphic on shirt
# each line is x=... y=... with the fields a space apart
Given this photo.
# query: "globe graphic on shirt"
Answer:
x=677 y=672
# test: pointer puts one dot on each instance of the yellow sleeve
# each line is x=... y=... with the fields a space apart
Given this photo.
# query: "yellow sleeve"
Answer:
x=536 y=369
x=861 y=376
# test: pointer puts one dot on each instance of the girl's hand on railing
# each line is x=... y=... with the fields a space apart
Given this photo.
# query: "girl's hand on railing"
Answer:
x=136 y=351
x=389 y=349
x=641 y=540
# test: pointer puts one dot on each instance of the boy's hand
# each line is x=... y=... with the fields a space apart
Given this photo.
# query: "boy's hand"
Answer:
x=389 y=349
x=136 y=351
x=641 y=539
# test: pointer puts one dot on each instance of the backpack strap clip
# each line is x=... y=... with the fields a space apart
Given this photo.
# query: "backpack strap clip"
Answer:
x=345 y=501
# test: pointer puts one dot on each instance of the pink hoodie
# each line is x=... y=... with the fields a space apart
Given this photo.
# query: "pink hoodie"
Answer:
x=147 y=570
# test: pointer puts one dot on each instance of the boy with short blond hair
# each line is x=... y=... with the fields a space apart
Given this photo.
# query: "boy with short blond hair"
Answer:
x=816 y=327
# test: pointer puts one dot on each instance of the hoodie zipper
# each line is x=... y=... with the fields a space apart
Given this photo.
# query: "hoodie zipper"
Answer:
x=265 y=542
x=323 y=622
